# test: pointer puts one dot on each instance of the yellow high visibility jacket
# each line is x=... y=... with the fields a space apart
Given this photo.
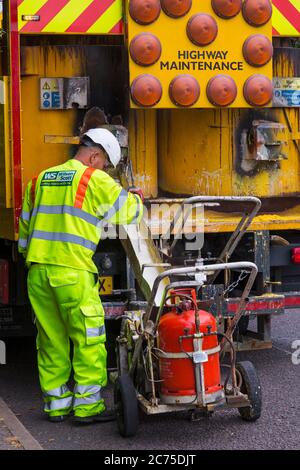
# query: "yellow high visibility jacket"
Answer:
x=64 y=211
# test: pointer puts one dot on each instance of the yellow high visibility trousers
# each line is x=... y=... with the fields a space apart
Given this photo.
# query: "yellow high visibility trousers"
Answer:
x=67 y=307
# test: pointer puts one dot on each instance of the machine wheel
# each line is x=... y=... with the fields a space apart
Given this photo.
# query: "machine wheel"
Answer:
x=251 y=387
x=126 y=406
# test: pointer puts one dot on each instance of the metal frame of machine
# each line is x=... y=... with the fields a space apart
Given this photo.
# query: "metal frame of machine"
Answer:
x=274 y=302
x=139 y=354
x=139 y=333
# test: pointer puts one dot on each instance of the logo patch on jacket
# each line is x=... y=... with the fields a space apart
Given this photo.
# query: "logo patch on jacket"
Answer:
x=58 y=178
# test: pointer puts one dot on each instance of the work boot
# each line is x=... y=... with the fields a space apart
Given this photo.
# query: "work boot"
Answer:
x=104 y=417
x=57 y=419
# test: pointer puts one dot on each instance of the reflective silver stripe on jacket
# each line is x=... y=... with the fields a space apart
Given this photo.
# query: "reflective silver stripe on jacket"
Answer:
x=25 y=215
x=91 y=389
x=63 y=237
x=23 y=242
x=55 y=405
x=64 y=209
x=95 y=331
x=118 y=204
x=57 y=392
x=90 y=400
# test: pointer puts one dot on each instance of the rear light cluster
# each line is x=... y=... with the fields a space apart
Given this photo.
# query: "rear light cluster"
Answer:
x=295 y=255
x=202 y=29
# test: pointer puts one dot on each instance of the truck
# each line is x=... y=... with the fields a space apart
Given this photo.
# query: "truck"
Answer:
x=204 y=98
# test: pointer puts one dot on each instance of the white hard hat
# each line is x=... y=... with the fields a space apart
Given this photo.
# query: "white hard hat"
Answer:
x=108 y=141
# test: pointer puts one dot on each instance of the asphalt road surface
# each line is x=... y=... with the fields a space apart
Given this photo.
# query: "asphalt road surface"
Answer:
x=278 y=427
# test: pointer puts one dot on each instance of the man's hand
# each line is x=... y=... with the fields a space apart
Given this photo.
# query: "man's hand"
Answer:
x=138 y=191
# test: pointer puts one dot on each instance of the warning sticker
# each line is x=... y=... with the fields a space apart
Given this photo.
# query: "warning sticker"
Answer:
x=105 y=285
x=64 y=93
x=58 y=178
x=51 y=93
x=286 y=92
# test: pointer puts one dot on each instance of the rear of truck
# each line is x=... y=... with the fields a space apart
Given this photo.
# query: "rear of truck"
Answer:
x=59 y=59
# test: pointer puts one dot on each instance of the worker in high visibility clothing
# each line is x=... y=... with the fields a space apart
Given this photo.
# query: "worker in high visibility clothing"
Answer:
x=63 y=212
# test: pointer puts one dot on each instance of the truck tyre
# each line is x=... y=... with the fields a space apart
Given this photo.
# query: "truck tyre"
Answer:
x=250 y=386
x=126 y=406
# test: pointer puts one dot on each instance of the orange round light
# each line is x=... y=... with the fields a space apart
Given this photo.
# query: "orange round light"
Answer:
x=257 y=50
x=226 y=8
x=257 y=12
x=258 y=90
x=176 y=8
x=145 y=49
x=202 y=29
x=144 y=11
x=184 y=90
x=146 y=90
x=221 y=90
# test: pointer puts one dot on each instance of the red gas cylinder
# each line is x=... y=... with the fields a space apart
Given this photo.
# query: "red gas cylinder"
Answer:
x=177 y=370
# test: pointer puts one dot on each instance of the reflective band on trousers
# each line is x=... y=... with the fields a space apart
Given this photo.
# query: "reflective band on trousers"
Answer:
x=118 y=204
x=56 y=392
x=81 y=389
x=90 y=400
x=95 y=331
x=63 y=237
x=25 y=216
x=23 y=242
x=64 y=209
x=58 y=404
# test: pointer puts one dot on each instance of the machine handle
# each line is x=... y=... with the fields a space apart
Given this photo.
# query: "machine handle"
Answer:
x=240 y=229
x=245 y=265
